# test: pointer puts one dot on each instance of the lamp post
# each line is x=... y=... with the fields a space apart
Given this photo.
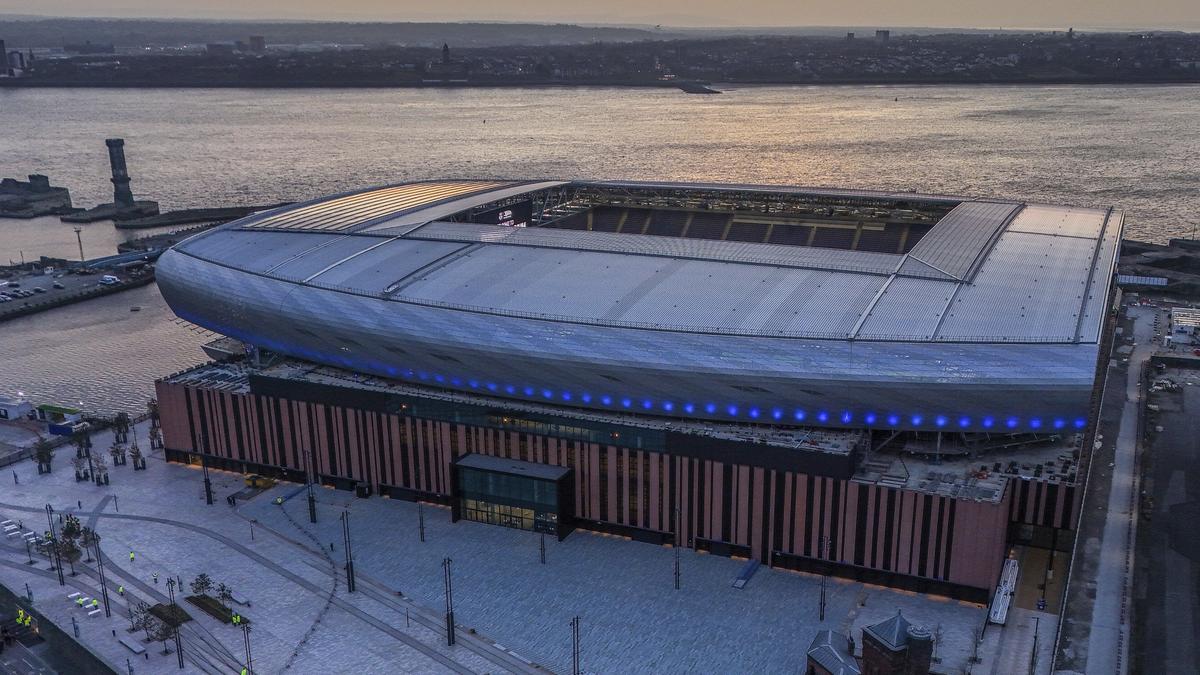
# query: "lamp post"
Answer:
x=575 y=646
x=175 y=619
x=350 y=582
x=54 y=545
x=246 y=640
x=449 y=601
x=103 y=579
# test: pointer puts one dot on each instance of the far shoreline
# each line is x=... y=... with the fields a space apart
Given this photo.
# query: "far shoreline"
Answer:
x=18 y=83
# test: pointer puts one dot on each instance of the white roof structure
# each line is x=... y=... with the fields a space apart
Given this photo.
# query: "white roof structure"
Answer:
x=401 y=263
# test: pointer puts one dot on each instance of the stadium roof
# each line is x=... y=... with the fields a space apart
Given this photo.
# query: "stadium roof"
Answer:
x=988 y=271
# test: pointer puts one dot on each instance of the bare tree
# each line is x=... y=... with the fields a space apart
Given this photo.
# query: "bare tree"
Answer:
x=202 y=584
x=87 y=539
x=225 y=594
x=99 y=469
x=159 y=631
x=43 y=452
x=117 y=452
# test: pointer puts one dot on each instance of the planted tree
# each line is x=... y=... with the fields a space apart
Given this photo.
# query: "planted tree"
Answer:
x=99 y=469
x=121 y=425
x=71 y=527
x=117 y=452
x=69 y=550
x=152 y=410
x=159 y=631
x=135 y=453
x=202 y=584
x=81 y=468
x=145 y=620
x=43 y=452
x=225 y=595
x=87 y=539
x=82 y=442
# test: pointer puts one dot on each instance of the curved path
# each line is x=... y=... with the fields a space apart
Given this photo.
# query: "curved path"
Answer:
x=434 y=655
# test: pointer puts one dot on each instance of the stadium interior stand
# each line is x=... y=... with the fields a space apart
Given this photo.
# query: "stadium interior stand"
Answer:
x=877 y=237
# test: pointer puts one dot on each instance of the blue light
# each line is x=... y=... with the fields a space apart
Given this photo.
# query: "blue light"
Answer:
x=439 y=378
x=474 y=384
x=964 y=422
x=508 y=388
x=988 y=422
x=1080 y=423
x=710 y=408
x=799 y=415
x=870 y=418
x=668 y=406
x=1035 y=423
x=606 y=400
x=777 y=414
x=456 y=381
x=1012 y=422
x=491 y=386
x=822 y=416
x=732 y=410
x=940 y=420
x=647 y=404
x=546 y=393
x=423 y=376
x=689 y=408
x=916 y=420
x=586 y=398
x=1059 y=423
x=528 y=391
x=846 y=417
x=625 y=402
x=893 y=420
x=753 y=413
x=566 y=396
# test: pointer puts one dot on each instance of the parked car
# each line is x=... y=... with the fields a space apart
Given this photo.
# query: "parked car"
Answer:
x=58 y=284
x=38 y=289
x=109 y=280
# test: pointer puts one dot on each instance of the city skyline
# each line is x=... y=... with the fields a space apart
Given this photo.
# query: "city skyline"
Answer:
x=974 y=14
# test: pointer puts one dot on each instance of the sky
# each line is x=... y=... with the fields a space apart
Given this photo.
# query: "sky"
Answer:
x=1166 y=14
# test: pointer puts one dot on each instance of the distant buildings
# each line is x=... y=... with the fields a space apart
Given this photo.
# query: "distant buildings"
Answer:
x=12 y=64
x=883 y=35
x=445 y=71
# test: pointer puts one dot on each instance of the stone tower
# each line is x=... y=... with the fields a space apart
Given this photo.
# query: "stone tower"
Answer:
x=122 y=196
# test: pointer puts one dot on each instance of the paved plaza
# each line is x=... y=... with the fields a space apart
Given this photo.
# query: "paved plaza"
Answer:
x=304 y=620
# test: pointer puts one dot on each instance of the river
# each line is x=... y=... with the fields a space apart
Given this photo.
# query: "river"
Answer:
x=1132 y=147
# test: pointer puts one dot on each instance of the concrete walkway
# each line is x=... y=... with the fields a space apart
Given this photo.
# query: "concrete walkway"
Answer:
x=1108 y=646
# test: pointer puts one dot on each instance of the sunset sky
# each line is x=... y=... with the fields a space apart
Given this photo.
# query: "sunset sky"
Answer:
x=1183 y=14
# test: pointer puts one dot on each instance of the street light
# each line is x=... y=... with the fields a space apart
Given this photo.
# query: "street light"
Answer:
x=449 y=601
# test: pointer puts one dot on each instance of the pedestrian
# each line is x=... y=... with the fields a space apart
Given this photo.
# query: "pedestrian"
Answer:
x=155 y=577
x=16 y=481
x=95 y=603
x=121 y=591
x=80 y=503
x=79 y=601
x=131 y=556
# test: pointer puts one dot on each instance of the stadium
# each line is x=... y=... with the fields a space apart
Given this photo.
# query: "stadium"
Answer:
x=729 y=367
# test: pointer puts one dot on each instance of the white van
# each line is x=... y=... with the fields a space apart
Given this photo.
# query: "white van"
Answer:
x=109 y=280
